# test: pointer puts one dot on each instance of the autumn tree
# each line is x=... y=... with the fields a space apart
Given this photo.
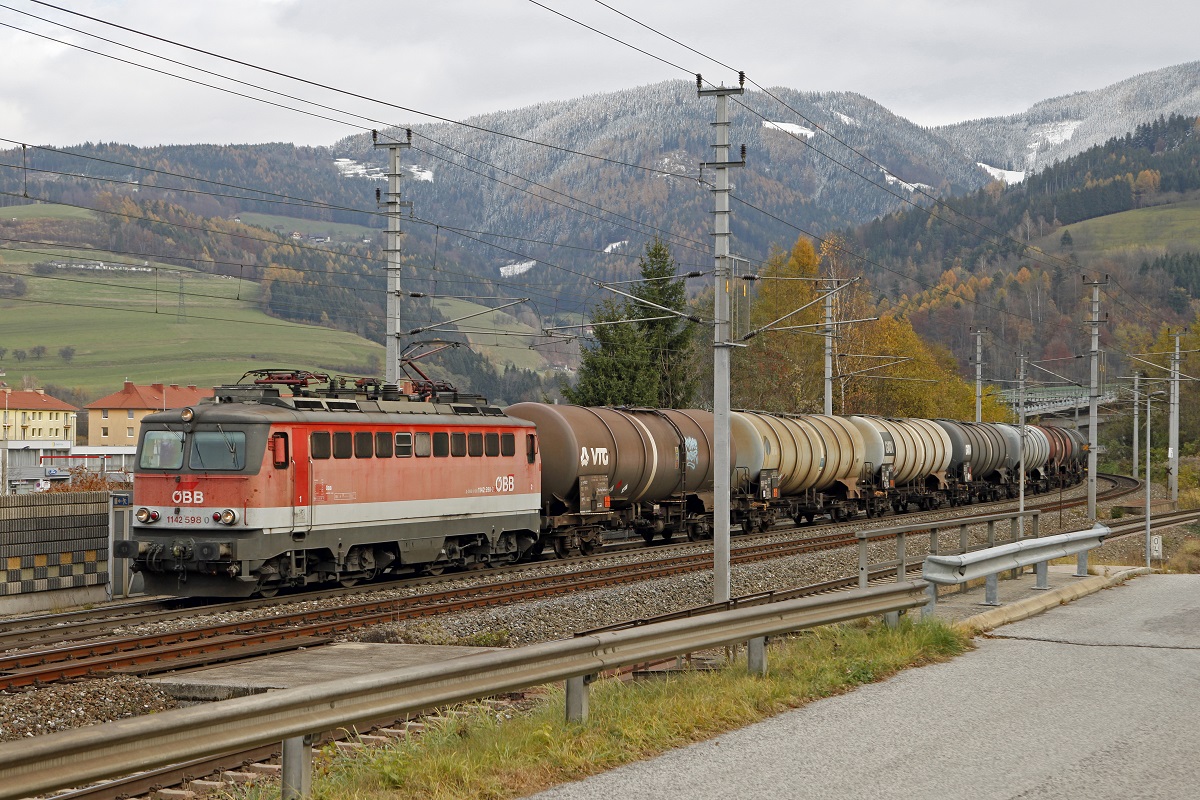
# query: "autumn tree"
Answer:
x=66 y=353
x=782 y=370
x=37 y=352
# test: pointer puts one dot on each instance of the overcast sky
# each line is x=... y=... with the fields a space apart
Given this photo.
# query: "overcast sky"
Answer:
x=932 y=61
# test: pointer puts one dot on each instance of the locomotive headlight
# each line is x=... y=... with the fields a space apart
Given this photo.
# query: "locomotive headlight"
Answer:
x=228 y=517
x=146 y=516
x=187 y=414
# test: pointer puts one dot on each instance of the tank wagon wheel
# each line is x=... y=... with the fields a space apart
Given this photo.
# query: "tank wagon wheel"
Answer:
x=433 y=570
x=562 y=548
x=586 y=548
x=668 y=534
x=348 y=583
x=267 y=590
x=648 y=535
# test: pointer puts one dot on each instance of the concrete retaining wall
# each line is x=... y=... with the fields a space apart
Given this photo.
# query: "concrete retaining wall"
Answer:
x=53 y=545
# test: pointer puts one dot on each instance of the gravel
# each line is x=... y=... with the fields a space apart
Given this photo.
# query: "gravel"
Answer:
x=62 y=706
x=59 y=707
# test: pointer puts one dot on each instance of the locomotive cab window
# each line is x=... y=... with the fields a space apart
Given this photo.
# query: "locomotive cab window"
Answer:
x=162 y=450
x=218 y=450
x=343 y=444
x=508 y=445
x=531 y=447
x=279 y=450
x=364 y=444
x=383 y=445
x=491 y=444
x=421 y=447
x=441 y=444
x=404 y=445
x=475 y=444
x=320 y=445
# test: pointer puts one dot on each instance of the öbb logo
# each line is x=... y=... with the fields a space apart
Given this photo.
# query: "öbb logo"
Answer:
x=186 y=497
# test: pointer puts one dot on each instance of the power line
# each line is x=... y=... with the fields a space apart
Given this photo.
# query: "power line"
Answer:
x=355 y=95
x=808 y=144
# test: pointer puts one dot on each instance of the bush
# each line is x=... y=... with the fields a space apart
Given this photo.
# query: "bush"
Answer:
x=1186 y=558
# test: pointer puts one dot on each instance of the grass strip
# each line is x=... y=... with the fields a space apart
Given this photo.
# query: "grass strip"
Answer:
x=493 y=754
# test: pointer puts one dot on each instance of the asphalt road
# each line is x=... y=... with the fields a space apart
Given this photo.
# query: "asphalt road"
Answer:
x=1097 y=699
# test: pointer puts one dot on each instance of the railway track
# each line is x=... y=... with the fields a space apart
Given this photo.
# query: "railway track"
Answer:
x=209 y=644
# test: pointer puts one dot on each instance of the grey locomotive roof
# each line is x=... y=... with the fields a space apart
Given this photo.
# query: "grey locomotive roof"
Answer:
x=375 y=412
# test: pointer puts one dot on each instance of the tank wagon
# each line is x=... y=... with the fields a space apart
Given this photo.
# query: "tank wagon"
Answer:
x=285 y=482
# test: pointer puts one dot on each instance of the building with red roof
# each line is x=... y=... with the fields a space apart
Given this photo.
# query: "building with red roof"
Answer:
x=35 y=428
x=114 y=420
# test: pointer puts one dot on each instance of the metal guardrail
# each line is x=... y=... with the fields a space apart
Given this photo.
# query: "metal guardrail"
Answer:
x=950 y=569
x=901 y=562
x=76 y=757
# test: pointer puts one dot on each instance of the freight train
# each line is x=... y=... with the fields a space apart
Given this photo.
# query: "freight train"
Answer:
x=295 y=479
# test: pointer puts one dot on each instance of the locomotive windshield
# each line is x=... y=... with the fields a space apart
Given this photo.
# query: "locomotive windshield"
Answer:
x=162 y=450
x=218 y=450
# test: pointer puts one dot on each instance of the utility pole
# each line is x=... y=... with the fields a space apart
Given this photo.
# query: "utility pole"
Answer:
x=829 y=353
x=978 y=373
x=393 y=204
x=1093 y=396
x=721 y=467
x=179 y=310
x=1021 y=404
x=1173 y=429
x=1136 y=423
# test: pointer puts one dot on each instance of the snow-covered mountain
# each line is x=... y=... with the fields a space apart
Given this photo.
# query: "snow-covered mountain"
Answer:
x=1055 y=129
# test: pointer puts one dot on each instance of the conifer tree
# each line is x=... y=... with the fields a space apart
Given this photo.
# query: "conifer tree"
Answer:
x=643 y=363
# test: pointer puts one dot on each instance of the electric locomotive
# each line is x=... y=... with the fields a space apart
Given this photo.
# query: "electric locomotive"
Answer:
x=257 y=490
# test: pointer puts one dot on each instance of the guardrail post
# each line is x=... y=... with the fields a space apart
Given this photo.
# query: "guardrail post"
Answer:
x=892 y=618
x=1014 y=534
x=991 y=533
x=756 y=656
x=297 y=768
x=863 y=564
x=577 y=698
x=1043 y=575
x=963 y=546
x=1036 y=531
x=930 y=606
x=991 y=592
x=1081 y=569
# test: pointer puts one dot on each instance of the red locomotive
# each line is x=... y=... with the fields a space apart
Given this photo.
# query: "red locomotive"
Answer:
x=257 y=489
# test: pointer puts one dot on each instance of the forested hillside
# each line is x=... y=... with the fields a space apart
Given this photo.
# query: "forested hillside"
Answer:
x=1007 y=261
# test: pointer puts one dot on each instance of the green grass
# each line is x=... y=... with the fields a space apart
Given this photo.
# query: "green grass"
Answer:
x=340 y=231
x=44 y=211
x=1172 y=228
x=124 y=326
x=499 y=348
x=491 y=754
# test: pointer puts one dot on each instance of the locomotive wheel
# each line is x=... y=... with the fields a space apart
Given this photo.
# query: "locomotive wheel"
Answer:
x=267 y=590
x=348 y=583
x=433 y=570
x=561 y=548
